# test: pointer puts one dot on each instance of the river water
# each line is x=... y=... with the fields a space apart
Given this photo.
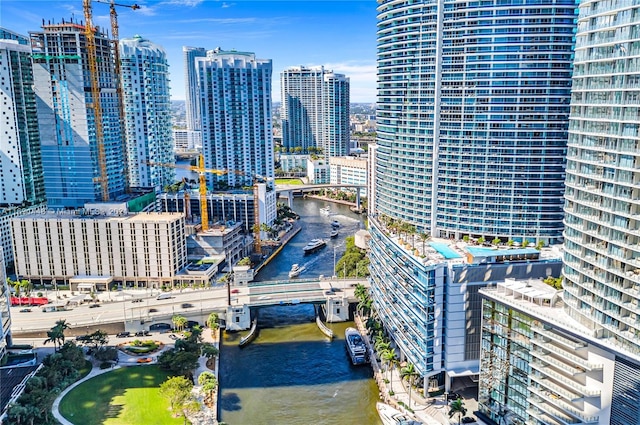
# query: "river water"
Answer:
x=291 y=373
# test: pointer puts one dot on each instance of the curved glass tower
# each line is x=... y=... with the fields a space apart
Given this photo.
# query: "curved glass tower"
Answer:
x=473 y=103
x=602 y=239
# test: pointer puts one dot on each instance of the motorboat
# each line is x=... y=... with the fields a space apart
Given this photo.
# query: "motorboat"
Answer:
x=335 y=223
x=334 y=233
x=391 y=416
x=325 y=210
x=296 y=269
x=314 y=245
x=356 y=347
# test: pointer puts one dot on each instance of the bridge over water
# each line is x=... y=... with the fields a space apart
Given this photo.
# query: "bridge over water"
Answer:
x=290 y=190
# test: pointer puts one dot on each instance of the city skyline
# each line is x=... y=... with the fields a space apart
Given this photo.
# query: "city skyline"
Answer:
x=289 y=33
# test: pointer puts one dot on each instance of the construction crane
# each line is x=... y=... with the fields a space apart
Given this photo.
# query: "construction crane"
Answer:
x=201 y=170
x=115 y=42
x=92 y=59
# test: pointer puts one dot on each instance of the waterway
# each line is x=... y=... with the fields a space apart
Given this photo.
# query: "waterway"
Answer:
x=291 y=373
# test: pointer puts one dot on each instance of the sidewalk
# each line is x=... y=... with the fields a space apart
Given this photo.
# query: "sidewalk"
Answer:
x=429 y=411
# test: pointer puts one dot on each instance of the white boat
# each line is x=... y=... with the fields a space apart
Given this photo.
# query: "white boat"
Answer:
x=356 y=347
x=325 y=210
x=295 y=270
x=390 y=416
x=314 y=245
x=334 y=233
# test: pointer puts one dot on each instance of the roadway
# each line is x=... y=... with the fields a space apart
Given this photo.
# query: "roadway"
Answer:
x=119 y=307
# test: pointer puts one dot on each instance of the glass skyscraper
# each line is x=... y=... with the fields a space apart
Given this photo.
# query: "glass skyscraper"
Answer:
x=147 y=108
x=191 y=85
x=315 y=110
x=234 y=90
x=473 y=103
x=62 y=83
x=602 y=239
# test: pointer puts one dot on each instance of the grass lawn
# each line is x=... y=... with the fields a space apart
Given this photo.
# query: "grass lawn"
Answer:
x=125 y=396
x=288 y=181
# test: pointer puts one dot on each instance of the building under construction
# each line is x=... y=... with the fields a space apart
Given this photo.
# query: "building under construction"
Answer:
x=77 y=169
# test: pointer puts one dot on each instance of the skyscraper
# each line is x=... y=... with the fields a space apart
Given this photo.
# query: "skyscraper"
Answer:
x=191 y=85
x=147 y=111
x=72 y=160
x=315 y=110
x=602 y=243
x=472 y=117
x=235 y=100
x=472 y=120
x=21 y=178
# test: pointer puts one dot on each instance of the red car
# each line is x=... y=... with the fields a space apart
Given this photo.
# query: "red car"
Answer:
x=235 y=291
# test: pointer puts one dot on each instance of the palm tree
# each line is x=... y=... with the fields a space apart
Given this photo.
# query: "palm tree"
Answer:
x=61 y=326
x=364 y=306
x=179 y=321
x=380 y=344
x=423 y=237
x=409 y=373
x=212 y=321
x=457 y=407
x=389 y=357
x=360 y=292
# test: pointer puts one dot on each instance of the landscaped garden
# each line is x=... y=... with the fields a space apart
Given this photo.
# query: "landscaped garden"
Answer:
x=129 y=395
x=137 y=347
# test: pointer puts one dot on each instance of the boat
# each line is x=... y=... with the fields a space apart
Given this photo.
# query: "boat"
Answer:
x=391 y=416
x=355 y=346
x=334 y=233
x=335 y=223
x=296 y=270
x=325 y=210
x=314 y=245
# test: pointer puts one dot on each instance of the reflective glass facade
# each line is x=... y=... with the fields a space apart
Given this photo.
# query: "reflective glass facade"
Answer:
x=602 y=239
x=473 y=103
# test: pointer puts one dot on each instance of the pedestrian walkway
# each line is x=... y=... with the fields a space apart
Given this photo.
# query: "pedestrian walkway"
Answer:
x=394 y=391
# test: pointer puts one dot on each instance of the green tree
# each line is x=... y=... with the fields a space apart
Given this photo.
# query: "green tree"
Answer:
x=481 y=240
x=209 y=350
x=423 y=237
x=209 y=384
x=179 y=322
x=389 y=358
x=212 y=321
x=410 y=374
x=360 y=292
x=177 y=390
x=178 y=362
x=457 y=407
x=496 y=241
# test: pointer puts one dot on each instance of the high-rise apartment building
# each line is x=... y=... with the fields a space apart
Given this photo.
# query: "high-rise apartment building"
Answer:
x=71 y=157
x=147 y=110
x=192 y=102
x=21 y=177
x=472 y=118
x=315 y=110
x=602 y=239
x=235 y=100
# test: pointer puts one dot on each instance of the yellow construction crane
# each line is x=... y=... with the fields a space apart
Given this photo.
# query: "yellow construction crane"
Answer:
x=201 y=170
x=92 y=59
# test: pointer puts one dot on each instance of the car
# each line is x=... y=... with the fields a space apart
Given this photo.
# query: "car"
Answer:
x=94 y=306
x=137 y=300
x=187 y=305
x=173 y=336
x=468 y=420
x=453 y=396
x=235 y=291
x=142 y=333
x=25 y=310
x=123 y=334
x=145 y=360
x=328 y=292
x=153 y=310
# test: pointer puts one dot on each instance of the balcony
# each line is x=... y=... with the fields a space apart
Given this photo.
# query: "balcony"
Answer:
x=544 y=398
x=583 y=363
x=572 y=345
x=582 y=390
x=555 y=389
x=545 y=358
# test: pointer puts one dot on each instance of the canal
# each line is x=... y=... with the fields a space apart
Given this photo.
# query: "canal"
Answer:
x=291 y=373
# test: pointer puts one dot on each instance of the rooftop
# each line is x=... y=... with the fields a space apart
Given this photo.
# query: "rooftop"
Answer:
x=131 y=217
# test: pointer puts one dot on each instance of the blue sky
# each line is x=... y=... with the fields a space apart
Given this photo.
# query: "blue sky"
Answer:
x=341 y=35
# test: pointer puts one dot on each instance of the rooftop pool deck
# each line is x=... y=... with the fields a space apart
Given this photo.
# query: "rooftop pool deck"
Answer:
x=445 y=250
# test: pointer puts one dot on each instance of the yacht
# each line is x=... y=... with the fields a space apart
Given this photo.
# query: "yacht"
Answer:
x=335 y=223
x=295 y=270
x=314 y=245
x=334 y=233
x=355 y=346
x=325 y=210
x=391 y=416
